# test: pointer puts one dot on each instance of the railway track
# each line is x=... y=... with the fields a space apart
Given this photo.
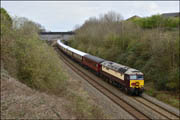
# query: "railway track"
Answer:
x=158 y=109
x=132 y=110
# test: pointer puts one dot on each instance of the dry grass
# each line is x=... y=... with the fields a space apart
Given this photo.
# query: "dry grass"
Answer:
x=81 y=104
x=19 y=101
x=170 y=98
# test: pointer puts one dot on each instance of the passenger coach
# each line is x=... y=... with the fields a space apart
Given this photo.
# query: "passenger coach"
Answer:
x=93 y=62
x=76 y=54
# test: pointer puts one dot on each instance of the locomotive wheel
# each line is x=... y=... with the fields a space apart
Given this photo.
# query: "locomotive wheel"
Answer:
x=121 y=87
x=110 y=81
x=126 y=90
x=136 y=92
x=129 y=92
x=139 y=93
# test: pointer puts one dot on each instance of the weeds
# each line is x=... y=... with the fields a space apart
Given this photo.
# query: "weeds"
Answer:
x=82 y=109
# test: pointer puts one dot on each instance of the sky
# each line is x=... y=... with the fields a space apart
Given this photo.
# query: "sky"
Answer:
x=63 y=16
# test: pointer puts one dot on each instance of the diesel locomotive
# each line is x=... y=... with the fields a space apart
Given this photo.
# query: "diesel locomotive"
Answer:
x=129 y=79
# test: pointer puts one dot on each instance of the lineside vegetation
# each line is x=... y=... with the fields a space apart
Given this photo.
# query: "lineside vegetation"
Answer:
x=36 y=64
x=150 y=45
x=28 y=58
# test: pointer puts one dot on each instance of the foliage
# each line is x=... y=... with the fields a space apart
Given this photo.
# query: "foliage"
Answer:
x=5 y=19
x=6 y=40
x=169 y=97
x=157 y=21
x=28 y=58
x=35 y=63
x=155 y=52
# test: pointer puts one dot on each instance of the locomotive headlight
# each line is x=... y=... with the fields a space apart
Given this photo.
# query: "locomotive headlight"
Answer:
x=137 y=83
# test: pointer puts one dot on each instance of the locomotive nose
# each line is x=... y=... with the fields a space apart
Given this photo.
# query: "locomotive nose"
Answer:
x=137 y=84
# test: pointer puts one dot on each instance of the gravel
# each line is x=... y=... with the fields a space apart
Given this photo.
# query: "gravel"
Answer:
x=161 y=104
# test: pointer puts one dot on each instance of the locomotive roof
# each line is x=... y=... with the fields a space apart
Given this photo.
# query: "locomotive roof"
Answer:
x=120 y=68
x=94 y=58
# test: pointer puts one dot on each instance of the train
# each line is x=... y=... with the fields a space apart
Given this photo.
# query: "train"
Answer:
x=128 y=79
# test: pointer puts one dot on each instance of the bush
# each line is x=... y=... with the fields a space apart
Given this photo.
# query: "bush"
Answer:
x=28 y=58
x=7 y=41
x=173 y=80
x=157 y=21
x=153 y=51
x=38 y=65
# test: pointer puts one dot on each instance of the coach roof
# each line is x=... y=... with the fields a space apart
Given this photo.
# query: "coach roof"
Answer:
x=61 y=44
x=71 y=49
x=77 y=51
x=94 y=58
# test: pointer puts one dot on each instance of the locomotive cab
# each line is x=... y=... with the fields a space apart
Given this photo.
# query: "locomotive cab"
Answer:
x=136 y=83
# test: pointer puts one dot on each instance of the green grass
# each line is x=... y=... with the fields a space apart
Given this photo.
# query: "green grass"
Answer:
x=164 y=96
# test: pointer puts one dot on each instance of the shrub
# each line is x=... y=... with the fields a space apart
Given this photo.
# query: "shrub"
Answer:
x=157 y=21
x=153 y=51
x=27 y=57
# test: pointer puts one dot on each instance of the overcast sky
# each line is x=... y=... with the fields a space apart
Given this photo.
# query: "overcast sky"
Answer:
x=64 y=15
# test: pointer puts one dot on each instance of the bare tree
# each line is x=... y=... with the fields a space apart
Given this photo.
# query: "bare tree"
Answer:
x=111 y=16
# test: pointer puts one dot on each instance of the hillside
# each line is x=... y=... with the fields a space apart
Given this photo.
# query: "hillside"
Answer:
x=34 y=81
x=20 y=101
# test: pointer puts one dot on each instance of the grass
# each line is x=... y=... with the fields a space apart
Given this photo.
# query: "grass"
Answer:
x=82 y=109
x=81 y=104
x=164 y=96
